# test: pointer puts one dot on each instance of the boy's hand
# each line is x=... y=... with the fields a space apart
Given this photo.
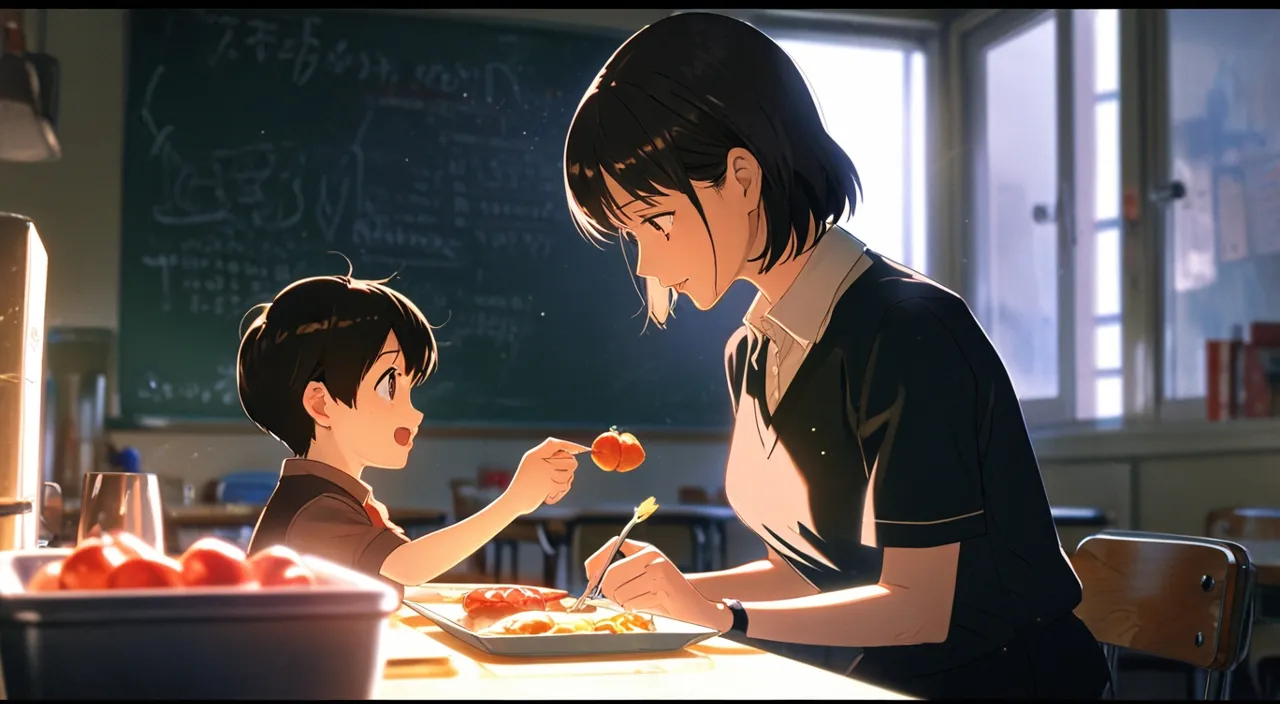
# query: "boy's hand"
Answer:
x=545 y=474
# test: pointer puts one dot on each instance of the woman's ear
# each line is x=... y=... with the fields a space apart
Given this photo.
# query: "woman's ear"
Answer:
x=316 y=400
x=744 y=176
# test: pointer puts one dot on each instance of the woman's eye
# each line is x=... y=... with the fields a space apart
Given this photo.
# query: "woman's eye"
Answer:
x=386 y=386
x=663 y=223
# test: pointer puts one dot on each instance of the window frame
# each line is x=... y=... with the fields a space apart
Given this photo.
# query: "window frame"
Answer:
x=1076 y=221
x=887 y=29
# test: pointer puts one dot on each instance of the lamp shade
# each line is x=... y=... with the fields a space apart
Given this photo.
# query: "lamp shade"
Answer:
x=25 y=134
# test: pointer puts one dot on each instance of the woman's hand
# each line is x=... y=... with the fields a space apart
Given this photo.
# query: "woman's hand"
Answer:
x=646 y=580
x=545 y=475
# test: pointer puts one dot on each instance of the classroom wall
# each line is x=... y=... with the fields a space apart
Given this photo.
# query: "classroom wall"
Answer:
x=76 y=206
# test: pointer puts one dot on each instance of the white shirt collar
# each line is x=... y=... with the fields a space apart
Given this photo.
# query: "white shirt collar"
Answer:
x=802 y=311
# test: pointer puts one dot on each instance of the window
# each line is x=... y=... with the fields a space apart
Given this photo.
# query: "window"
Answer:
x=872 y=97
x=1044 y=258
x=1222 y=239
x=1107 y=362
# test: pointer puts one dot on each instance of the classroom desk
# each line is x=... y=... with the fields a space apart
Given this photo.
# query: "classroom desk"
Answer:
x=425 y=663
x=706 y=524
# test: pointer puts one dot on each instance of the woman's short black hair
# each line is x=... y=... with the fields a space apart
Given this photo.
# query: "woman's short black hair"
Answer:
x=674 y=100
x=328 y=329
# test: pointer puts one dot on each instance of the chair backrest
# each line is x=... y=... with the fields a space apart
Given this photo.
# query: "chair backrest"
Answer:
x=1177 y=597
x=1244 y=523
x=464 y=498
x=693 y=495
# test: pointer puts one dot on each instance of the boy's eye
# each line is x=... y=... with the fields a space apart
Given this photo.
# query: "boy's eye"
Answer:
x=386 y=386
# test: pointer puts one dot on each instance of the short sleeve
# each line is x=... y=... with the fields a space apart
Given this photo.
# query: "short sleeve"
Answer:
x=341 y=532
x=921 y=398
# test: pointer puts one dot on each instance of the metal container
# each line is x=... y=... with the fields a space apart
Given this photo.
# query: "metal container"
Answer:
x=23 y=275
x=76 y=409
x=195 y=643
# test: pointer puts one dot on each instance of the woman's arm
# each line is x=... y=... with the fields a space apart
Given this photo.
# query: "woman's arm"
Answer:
x=434 y=554
x=763 y=580
x=911 y=605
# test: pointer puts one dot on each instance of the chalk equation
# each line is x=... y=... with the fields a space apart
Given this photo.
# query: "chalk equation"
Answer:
x=301 y=46
x=220 y=391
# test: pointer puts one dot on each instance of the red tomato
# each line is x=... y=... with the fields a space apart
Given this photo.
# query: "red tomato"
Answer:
x=89 y=565
x=279 y=566
x=615 y=451
x=146 y=573
x=606 y=451
x=632 y=452
x=47 y=578
x=210 y=562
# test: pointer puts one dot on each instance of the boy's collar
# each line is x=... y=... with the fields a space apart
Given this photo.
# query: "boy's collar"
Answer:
x=301 y=465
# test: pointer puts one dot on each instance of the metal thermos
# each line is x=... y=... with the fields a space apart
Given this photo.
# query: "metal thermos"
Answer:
x=23 y=275
x=76 y=409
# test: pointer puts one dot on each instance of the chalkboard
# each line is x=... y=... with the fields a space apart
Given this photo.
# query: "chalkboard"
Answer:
x=259 y=142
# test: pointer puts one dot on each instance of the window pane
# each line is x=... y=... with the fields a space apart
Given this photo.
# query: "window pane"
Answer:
x=1109 y=396
x=1222 y=240
x=1017 y=262
x=919 y=258
x=868 y=118
x=1106 y=272
x=1106 y=153
x=1106 y=343
x=1106 y=50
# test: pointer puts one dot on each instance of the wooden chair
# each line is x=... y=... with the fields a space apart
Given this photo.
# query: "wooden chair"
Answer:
x=693 y=496
x=1254 y=526
x=508 y=540
x=1181 y=598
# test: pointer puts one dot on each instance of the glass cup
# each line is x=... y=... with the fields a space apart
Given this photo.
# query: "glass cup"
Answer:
x=124 y=501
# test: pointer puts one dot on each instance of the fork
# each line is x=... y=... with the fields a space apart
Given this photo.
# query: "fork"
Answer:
x=643 y=511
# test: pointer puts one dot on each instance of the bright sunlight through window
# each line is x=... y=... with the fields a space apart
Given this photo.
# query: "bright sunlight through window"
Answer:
x=873 y=103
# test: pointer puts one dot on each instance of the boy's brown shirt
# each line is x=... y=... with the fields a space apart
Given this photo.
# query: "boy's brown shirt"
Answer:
x=320 y=510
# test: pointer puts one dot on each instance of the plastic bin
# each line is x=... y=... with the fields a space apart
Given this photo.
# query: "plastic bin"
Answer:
x=323 y=642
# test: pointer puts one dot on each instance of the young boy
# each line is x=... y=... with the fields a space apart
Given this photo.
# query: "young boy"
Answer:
x=326 y=368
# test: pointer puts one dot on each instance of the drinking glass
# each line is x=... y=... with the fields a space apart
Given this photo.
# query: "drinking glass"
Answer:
x=125 y=501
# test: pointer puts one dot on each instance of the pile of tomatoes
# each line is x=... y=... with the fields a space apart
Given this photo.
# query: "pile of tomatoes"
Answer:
x=120 y=560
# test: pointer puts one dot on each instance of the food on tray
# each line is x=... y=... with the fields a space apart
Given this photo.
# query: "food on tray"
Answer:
x=500 y=602
x=533 y=623
x=615 y=451
x=119 y=560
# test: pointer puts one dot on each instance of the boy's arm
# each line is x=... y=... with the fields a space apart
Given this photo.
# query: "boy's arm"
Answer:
x=430 y=556
x=763 y=580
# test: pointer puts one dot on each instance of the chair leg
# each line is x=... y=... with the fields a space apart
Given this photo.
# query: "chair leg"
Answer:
x=1217 y=686
x=1112 y=654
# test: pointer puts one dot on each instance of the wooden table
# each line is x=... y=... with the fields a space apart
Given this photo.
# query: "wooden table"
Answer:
x=428 y=664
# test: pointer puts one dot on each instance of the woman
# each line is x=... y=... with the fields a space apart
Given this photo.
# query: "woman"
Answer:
x=878 y=448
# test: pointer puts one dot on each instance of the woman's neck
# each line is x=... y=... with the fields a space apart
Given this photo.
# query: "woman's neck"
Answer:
x=773 y=283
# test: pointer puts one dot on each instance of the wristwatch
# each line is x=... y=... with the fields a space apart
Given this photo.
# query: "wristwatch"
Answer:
x=739 y=616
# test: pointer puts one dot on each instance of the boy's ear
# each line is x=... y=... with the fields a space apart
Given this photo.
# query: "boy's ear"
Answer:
x=316 y=400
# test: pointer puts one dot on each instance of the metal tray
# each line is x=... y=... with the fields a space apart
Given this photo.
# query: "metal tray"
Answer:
x=322 y=642
x=671 y=635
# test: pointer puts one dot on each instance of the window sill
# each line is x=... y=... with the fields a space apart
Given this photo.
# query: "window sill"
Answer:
x=1120 y=441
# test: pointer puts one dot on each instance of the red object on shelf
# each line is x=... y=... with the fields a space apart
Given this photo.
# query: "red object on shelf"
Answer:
x=1264 y=333
x=1221 y=362
x=1261 y=376
x=497 y=478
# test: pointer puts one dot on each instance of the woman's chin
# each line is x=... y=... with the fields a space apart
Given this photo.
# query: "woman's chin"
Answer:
x=700 y=302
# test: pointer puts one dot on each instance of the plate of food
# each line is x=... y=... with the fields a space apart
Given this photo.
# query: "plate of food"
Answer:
x=520 y=621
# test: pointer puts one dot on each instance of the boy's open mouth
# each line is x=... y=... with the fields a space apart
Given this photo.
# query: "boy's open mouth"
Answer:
x=403 y=436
